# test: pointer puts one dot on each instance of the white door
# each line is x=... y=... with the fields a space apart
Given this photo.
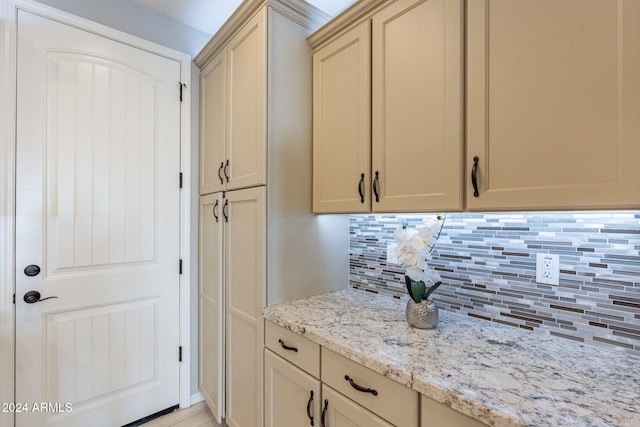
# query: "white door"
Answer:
x=97 y=210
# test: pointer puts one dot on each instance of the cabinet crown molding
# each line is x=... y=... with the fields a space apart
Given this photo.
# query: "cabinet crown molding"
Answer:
x=351 y=16
x=298 y=11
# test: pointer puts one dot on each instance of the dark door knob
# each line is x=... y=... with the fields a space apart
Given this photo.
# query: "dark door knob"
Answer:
x=32 y=270
x=33 y=297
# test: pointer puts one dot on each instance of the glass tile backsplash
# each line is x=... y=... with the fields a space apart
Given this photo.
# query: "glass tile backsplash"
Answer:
x=488 y=265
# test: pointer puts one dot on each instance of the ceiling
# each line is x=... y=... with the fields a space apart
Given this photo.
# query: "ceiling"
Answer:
x=209 y=15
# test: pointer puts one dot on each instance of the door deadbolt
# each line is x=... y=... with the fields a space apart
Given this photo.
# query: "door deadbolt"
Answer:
x=32 y=270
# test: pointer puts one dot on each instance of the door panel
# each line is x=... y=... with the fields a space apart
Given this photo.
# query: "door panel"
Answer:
x=342 y=123
x=213 y=107
x=97 y=207
x=245 y=292
x=247 y=137
x=211 y=304
x=417 y=143
x=288 y=392
x=553 y=104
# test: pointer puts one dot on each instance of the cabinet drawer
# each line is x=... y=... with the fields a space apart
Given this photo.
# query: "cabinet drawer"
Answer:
x=299 y=350
x=338 y=411
x=435 y=414
x=392 y=401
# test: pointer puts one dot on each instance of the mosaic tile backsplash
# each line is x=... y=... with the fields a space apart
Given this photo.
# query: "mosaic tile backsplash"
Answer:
x=488 y=265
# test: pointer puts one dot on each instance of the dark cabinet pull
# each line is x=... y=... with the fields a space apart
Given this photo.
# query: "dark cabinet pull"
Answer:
x=220 y=171
x=286 y=347
x=360 y=388
x=376 y=190
x=226 y=169
x=474 y=176
x=324 y=412
x=361 y=188
x=214 y=211
x=224 y=210
x=309 y=408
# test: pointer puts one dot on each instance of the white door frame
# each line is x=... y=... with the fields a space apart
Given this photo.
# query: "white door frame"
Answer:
x=8 y=56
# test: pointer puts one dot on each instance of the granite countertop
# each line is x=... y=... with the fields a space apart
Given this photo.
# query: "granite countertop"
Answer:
x=500 y=375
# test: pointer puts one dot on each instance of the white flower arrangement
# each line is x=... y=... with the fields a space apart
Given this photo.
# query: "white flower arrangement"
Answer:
x=414 y=247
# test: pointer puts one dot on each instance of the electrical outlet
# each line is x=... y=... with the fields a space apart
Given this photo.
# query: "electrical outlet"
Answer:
x=391 y=254
x=547 y=268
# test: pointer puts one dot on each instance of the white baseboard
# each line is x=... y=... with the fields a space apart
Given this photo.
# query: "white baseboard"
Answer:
x=196 y=398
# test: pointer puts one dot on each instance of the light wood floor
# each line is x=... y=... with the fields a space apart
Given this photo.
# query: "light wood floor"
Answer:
x=197 y=415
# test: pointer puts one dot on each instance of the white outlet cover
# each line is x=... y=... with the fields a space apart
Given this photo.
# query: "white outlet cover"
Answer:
x=548 y=269
x=391 y=254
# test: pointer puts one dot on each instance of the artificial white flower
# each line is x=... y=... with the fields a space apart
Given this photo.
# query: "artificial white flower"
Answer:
x=413 y=249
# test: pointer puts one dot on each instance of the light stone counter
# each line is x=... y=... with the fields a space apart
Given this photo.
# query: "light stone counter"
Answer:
x=497 y=374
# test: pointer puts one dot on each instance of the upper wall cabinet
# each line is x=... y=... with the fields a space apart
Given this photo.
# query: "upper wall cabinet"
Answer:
x=553 y=104
x=552 y=107
x=232 y=123
x=387 y=128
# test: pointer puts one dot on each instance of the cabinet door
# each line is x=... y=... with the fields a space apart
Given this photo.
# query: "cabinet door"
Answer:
x=417 y=139
x=213 y=105
x=341 y=123
x=211 y=304
x=245 y=290
x=554 y=104
x=246 y=150
x=291 y=396
x=338 y=411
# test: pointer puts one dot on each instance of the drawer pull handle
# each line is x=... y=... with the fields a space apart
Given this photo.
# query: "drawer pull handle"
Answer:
x=309 y=407
x=286 y=347
x=360 y=388
x=324 y=412
x=215 y=215
x=474 y=176
x=219 y=171
x=361 y=188
x=376 y=190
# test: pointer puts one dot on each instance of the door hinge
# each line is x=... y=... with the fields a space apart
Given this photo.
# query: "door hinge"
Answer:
x=182 y=86
x=180 y=354
x=180 y=179
x=14 y=298
x=180 y=267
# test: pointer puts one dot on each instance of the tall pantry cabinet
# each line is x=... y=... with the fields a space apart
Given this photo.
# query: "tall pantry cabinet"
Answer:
x=259 y=243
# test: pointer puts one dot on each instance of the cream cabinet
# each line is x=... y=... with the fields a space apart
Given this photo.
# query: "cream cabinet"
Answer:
x=435 y=414
x=552 y=117
x=211 y=310
x=338 y=411
x=384 y=398
x=291 y=395
x=388 y=109
x=292 y=392
x=233 y=112
x=553 y=104
x=232 y=282
x=259 y=244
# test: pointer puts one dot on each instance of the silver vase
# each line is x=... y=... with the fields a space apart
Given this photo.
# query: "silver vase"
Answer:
x=422 y=315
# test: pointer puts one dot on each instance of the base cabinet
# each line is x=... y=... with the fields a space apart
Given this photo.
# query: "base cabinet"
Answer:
x=338 y=411
x=232 y=246
x=291 y=396
x=435 y=414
